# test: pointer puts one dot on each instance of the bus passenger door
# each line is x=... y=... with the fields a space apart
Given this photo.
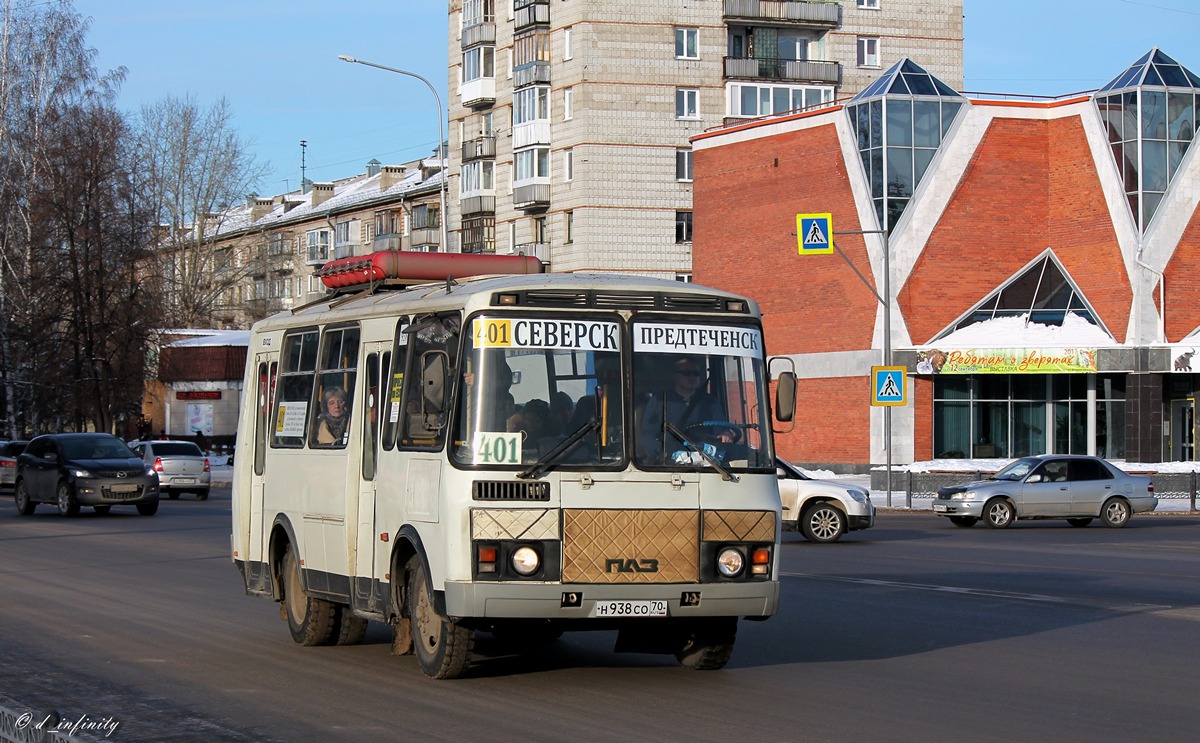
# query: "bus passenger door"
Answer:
x=267 y=366
x=367 y=595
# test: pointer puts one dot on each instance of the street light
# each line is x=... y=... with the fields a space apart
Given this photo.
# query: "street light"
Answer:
x=441 y=139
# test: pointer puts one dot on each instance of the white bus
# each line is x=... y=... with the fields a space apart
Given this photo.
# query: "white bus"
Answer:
x=518 y=454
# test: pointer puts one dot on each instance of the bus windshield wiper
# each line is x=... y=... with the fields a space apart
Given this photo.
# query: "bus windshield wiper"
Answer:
x=679 y=434
x=560 y=451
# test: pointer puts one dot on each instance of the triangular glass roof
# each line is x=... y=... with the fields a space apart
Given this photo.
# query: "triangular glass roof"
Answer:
x=905 y=78
x=1155 y=69
x=1043 y=291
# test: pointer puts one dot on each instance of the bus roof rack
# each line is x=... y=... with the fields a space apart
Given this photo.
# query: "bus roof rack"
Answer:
x=399 y=269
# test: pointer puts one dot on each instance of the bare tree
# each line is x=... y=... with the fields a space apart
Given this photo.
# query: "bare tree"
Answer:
x=193 y=166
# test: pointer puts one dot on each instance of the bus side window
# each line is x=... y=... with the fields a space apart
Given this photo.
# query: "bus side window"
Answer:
x=371 y=417
x=393 y=369
x=295 y=388
x=335 y=389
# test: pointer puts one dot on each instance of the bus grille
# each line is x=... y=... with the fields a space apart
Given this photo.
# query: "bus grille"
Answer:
x=618 y=546
x=505 y=490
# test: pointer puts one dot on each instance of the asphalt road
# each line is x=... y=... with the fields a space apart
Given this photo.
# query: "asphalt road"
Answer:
x=912 y=631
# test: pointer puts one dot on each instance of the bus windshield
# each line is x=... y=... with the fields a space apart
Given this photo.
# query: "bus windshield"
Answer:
x=536 y=387
x=701 y=396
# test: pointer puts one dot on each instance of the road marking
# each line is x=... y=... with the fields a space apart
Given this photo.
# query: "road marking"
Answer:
x=1124 y=608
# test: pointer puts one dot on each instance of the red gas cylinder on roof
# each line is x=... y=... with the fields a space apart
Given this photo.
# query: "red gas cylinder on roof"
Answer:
x=407 y=267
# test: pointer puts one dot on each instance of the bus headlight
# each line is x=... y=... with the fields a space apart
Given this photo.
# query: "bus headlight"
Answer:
x=526 y=560
x=730 y=562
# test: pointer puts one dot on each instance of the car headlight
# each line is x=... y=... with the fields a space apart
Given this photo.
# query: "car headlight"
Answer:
x=730 y=562
x=526 y=560
x=78 y=473
x=965 y=495
x=859 y=496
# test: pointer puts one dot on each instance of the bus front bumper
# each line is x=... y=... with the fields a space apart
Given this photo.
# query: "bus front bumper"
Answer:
x=757 y=599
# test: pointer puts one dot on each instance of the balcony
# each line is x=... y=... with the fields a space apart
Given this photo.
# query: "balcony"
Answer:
x=792 y=70
x=530 y=13
x=530 y=133
x=480 y=33
x=316 y=255
x=387 y=242
x=478 y=92
x=531 y=74
x=531 y=197
x=478 y=148
x=477 y=205
x=799 y=13
x=426 y=236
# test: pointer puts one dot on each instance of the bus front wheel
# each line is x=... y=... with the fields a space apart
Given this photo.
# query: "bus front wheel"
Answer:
x=443 y=648
x=708 y=644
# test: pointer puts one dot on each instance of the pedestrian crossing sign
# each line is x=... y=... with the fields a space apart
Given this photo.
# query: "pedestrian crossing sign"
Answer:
x=887 y=385
x=814 y=233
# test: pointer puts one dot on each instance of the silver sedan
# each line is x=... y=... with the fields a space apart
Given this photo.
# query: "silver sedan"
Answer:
x=1051 y=486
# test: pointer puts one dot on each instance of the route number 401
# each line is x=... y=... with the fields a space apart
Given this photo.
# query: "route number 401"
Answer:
x=497 y=448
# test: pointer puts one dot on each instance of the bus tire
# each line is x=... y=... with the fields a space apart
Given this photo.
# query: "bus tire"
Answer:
x=311 y=620
x=708 y=644
x=350 y=629
x=443 y=648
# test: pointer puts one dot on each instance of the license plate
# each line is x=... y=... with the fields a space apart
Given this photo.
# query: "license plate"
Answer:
x=185 y=481
x=613 y=608
x=124 y=488
x=940 y=509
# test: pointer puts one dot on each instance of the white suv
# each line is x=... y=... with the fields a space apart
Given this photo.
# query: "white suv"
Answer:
x=819 y=509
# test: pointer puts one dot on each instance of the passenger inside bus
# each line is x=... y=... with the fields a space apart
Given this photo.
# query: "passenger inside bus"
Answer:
x=335 y=413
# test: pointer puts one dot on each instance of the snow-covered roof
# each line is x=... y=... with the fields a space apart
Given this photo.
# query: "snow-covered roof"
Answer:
x=215 y=338
x=1017 y=332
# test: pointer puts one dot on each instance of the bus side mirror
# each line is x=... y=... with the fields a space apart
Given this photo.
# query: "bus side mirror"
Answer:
x=785 y=397
x=434 y=368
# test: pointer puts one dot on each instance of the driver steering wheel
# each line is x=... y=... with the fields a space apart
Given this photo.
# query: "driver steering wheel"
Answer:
x=712 y=430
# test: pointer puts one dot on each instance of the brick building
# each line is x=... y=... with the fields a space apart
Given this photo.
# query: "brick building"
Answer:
x=1043 y=257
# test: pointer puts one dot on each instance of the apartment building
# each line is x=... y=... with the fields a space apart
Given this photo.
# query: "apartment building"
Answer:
x=265 y=252
x=570 y=121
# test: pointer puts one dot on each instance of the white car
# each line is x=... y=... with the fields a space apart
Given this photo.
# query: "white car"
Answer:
x=822 y=510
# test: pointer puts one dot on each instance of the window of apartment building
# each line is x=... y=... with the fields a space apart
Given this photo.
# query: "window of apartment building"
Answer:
x=683 y=227
x=687 y=43
x=531 y=164
x=275 y=244
x=868 y=51
x=685 y=278
x=478 y=63
x=223 y=259
x=568 y=104
x=568 y=165
x=315 y=285
x=426 y=216
x=567 y=43
x=531 y=104
x=317 y=244
x=683 y=165
x=539 y=230
x=477 y=176
x=389 y=222
x=482 y=11
x=687 y=103
x=260 y=289
x=869 y=4
x=479 y=234
x=531 y=46
x=569 y=226
x=343 y=232
x=749 y=99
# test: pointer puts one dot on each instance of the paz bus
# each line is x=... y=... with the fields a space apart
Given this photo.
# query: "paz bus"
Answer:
x=460 y=443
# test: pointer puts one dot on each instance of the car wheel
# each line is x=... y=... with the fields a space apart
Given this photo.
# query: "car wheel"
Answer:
x=964 y=521
x=102 y=509
x=1115 y=513
x=25 y=505
x=1080 y=521
x=999 y=513
x=823 y=523
x=443 y=648
x=67 y=505
x=310 y=620
x=173 y=495
x=708 y=644
x=148 y=509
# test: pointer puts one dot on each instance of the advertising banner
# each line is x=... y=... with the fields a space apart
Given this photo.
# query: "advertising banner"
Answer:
x=1007 y=361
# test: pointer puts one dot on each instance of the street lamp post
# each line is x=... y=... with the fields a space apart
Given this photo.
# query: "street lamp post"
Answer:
x=441 y=138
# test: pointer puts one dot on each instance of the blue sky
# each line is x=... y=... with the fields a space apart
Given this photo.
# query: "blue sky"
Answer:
x=276 y=63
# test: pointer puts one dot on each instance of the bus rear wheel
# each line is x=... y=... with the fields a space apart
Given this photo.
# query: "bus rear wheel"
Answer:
x=443 y=648
x=311 y=620
x=708 y=644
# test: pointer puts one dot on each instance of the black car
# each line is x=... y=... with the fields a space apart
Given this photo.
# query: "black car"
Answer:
x=84 y=469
